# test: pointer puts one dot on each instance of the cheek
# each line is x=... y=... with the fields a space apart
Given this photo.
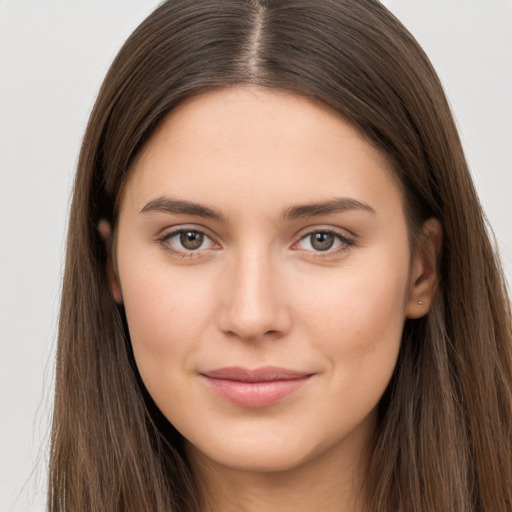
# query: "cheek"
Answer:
x=167 y=314
x=357 y=319
x=358 y=300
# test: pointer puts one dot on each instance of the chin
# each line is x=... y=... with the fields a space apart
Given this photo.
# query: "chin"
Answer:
x=251 y=458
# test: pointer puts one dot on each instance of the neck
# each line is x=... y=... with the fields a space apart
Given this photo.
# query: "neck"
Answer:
x=280 y=492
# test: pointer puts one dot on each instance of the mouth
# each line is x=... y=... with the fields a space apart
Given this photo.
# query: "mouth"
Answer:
x=261 y=387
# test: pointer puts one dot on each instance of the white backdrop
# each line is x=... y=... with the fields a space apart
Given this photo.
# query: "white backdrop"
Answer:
x=53 y=55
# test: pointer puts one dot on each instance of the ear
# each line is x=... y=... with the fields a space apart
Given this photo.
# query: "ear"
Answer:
x=105 y=232
x=424 y=277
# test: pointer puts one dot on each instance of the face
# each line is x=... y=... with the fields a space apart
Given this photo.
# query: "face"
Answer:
x=263 y=261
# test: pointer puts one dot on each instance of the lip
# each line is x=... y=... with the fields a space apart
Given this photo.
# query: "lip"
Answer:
x=260 y=387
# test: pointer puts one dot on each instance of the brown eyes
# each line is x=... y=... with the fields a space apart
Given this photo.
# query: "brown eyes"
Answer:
x=323 y=241
x=186 y=241
x=189 y=242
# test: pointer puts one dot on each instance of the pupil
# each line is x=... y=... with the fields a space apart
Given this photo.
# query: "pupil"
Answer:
x=191 y=239
x=322 y=241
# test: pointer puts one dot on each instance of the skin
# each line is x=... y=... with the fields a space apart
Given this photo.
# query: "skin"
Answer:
x=258 y=292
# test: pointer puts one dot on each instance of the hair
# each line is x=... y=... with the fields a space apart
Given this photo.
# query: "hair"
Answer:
x=444 y=434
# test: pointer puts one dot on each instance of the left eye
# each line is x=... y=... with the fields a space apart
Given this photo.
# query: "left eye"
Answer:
x=322 y=241
x=189 y=240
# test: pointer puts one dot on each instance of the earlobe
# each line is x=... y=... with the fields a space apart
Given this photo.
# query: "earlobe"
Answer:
x=105 y=232
x=424 y=278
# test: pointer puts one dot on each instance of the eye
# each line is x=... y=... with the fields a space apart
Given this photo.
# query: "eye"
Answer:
x=187 y=241
x=326 y=241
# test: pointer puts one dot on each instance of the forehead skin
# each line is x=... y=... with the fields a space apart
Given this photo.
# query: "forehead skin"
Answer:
x=312 y=129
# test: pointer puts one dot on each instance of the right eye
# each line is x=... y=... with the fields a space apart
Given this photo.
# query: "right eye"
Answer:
x=187 y=241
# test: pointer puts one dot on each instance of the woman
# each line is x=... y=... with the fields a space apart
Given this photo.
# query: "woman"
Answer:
x=279 y=291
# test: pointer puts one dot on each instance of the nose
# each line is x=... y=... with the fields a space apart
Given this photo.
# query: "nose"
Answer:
x=253 y=302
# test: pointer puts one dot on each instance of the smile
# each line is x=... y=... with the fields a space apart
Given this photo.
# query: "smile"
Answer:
x=262 y=387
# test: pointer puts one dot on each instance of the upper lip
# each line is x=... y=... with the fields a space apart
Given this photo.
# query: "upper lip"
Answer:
x=264 y=374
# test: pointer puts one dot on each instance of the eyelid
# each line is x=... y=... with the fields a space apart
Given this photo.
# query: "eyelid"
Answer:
x=346 y=238
x=169 y=232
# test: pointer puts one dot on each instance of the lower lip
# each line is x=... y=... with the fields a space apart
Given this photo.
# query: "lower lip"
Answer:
x=255 y=394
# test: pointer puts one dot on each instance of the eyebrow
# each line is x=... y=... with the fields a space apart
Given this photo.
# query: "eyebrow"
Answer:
x=167 y=205
x=337 y=205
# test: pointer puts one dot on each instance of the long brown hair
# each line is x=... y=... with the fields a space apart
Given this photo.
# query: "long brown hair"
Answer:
x=444 y=435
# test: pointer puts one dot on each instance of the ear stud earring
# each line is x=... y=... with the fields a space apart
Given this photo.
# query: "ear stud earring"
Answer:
x=420 y=303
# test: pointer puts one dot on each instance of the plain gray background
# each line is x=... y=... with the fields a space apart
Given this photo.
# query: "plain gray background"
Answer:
x=53 y=55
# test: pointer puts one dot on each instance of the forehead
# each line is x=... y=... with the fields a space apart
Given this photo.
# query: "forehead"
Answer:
x=248 y=146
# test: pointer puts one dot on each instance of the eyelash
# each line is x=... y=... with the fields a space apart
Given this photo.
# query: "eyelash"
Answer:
x=345 y=242
x=165 y=242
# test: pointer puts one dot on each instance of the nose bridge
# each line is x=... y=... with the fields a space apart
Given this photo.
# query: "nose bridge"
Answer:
x=253 y=305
